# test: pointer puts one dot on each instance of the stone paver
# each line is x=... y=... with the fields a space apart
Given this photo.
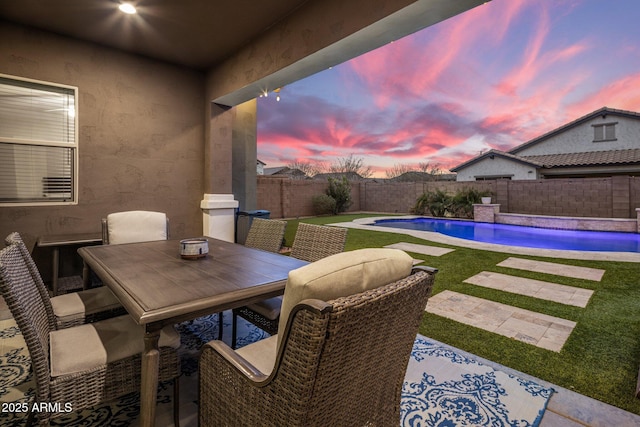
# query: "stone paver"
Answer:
x=420 y=249
x=533 y=328
x=586 y=273
x=548 y=291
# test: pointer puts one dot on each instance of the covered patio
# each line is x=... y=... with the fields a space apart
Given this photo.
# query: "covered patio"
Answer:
x=167 y=112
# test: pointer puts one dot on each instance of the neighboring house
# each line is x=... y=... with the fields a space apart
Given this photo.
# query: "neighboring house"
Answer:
x=416 y=176
x=284 y=172
x=260 y=167
x=351 y=176
x=605 y=142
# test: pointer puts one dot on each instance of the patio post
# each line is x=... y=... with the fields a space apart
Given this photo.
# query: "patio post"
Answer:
x=218 y=216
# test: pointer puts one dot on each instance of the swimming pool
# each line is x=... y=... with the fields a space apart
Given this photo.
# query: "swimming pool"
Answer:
x=514 y=235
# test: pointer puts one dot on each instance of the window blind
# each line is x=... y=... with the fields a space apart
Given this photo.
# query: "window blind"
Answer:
x=37 y=142
x=605 y=132
x=30 y=173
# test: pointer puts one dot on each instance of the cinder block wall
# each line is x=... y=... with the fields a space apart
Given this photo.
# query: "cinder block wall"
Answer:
x=565 y=197
x=291 y=198
x=613 y=197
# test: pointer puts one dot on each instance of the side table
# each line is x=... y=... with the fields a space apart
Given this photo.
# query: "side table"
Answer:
x=55 y=241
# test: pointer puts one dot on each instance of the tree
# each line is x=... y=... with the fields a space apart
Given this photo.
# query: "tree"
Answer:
x=397 y=170
x=351 y=164
x=309 y=169
x=430 y=168
x=340 y=191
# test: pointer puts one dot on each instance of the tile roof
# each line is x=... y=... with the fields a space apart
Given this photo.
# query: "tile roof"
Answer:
x=596 y=158
x=593 y=158
x=492 y=153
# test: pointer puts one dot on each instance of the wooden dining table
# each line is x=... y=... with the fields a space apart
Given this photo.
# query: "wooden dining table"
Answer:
x=158 y=288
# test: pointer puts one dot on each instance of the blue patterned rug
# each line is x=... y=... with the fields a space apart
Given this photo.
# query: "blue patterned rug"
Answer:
x=442 y=388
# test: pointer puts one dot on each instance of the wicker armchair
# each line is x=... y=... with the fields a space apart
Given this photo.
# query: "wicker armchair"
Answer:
x=75 y=308
x=311 y=243
x=109 y=363
x=339 y=362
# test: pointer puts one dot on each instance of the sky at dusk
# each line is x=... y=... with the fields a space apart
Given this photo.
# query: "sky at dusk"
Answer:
x=495 y=77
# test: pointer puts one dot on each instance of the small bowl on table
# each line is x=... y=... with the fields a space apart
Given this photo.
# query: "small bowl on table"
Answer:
x=194 y=248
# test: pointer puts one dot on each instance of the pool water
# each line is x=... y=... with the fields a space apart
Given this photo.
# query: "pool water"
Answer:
x=514 y=235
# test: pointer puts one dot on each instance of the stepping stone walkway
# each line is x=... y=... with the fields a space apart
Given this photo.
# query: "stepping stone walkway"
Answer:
x=527 y=326
x=420 y=249
x=523 y=325
x=569 y=295
x=586 y=273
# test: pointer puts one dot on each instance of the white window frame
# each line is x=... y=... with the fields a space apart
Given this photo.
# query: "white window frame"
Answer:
x=71 y=144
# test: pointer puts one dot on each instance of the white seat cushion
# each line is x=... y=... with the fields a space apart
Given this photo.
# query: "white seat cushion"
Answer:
x=136 y=226
x=68 y=307
x=261 y=354
x=343 y=274
x=269 y=308
x=88 y=346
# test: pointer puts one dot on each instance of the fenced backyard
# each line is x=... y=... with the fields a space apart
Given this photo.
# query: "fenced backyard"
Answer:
x=608 y=197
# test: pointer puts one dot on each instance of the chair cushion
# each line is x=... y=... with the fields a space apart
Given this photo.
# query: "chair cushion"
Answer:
x=343 y=274
x=136 y=226
x=75 y=305
x=261 y=354
x=88 y=346
x=269 y=308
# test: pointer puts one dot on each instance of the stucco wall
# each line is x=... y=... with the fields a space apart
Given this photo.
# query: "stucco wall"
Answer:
x=498 y=166
x=140 y=134
x=580 y=138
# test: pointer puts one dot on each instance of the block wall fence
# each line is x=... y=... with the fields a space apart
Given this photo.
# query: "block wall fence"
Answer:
x=607 y=197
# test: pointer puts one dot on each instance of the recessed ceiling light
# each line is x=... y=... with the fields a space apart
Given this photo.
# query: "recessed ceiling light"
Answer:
x=127 y=8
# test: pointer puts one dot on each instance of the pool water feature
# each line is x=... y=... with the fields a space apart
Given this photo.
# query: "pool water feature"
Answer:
x=515 y=235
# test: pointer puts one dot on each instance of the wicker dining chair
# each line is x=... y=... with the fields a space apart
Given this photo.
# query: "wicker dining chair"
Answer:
x=81 y=365
x=311 y=243
x=74 y=308
x=349 y=323
x=134 y=227
x=266 y=234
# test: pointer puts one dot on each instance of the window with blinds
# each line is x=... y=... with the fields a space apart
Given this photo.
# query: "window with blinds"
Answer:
x=604 y=132
x=38 y=142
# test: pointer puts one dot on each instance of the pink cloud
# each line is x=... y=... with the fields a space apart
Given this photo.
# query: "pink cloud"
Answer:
x=493 y=77
x=415 y=65
x=623 y=94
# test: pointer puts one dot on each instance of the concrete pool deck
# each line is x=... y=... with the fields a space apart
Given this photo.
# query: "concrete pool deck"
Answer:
x=367 y=224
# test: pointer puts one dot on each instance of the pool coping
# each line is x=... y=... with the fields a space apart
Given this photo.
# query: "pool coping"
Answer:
x=367 y=224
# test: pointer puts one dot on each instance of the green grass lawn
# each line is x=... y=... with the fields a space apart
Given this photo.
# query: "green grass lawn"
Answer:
x=602 y=355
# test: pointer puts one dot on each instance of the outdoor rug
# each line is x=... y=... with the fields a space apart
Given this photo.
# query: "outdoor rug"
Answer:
x=442 y=388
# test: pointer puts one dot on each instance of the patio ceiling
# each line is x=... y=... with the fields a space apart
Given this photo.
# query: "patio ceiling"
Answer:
x=194 y=33
x=206 y=35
